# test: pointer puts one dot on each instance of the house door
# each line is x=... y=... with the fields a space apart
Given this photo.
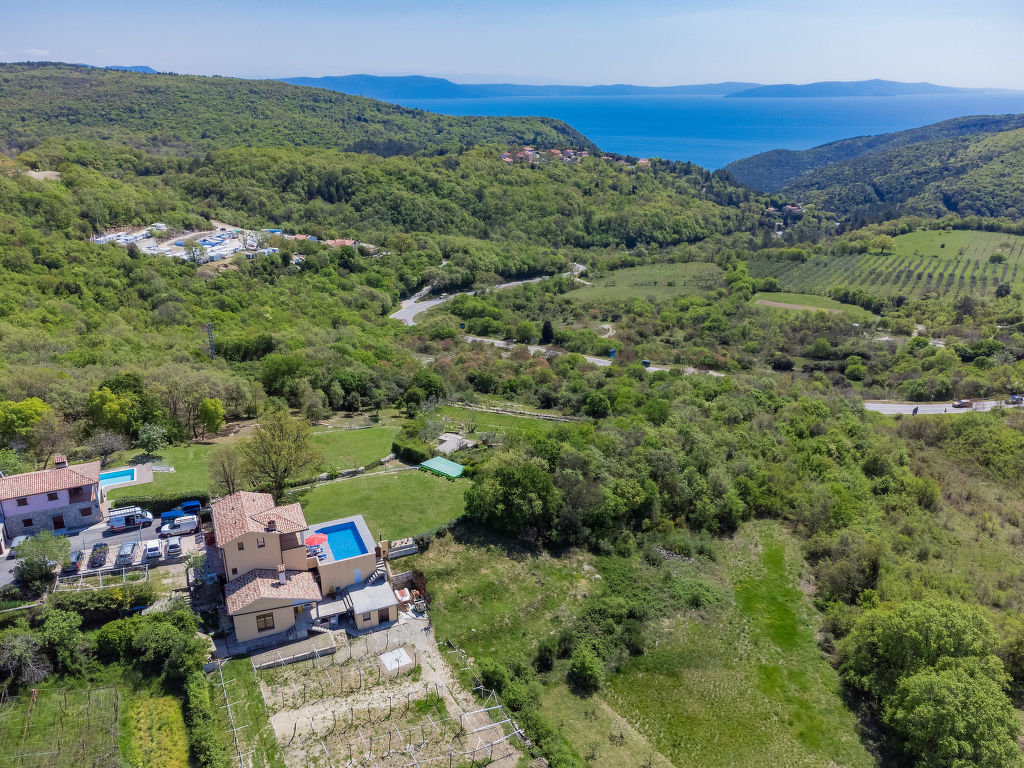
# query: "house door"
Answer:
x=383 y=615
x=358 y=575
x=58 y=521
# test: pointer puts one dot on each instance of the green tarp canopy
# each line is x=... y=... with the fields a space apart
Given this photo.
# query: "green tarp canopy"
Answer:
x=443 y=467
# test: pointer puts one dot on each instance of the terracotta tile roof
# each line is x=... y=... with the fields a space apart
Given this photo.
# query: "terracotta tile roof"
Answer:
x=260 y=583
x=49 y=480
x=340 y=241
x=246 y=512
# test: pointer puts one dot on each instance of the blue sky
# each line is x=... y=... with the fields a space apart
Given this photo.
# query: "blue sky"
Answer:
x=650 y=42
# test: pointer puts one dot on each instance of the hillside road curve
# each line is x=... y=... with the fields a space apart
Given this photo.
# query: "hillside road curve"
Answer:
x=892 y=408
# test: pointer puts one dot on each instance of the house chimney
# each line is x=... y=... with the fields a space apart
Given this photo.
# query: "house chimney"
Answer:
x=60 y=461
x=271 y=524
x=282 y=574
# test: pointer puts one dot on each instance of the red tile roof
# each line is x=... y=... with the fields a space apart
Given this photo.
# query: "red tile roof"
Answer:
x=246 y=512
x=340 y=242
x=300 y=586
x=49 y=480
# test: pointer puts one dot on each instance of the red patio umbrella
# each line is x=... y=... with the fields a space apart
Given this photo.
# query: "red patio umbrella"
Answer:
x=316 y=538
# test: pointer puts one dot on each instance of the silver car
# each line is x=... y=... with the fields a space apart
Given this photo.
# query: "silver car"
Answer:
x=126 y=554
x=174 y=546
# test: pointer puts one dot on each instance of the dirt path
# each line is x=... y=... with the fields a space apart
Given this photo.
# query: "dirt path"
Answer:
x=782 y=305
x=609 y=331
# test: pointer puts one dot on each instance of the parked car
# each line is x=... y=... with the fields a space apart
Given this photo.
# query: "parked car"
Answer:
x=14 y=545
x=1015 y=400
x=153 y=550
x=129 y=517
x=98 y=556
x=174 y=546
x=962 y=403
x=180 y=526
x=126 y=554
x=75 y=561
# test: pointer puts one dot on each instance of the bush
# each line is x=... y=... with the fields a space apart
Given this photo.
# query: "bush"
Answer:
x=411 y=452
x=586 y=672
x=99 y=606
x=547 y=649
x=493 y=675
x=204 y=739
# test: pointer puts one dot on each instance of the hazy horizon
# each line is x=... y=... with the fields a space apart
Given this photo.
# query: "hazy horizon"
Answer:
x=650 y=42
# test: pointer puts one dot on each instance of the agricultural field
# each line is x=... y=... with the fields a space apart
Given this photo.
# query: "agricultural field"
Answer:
x=808 y=301
x=478 y=422
x=658 y=280
x=157 y=736
x=54 y=728
x=395 y=504
x=749 y=665
x=948 y=264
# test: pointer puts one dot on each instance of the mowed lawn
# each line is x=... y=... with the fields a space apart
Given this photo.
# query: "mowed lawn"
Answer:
x=809 y=301
x=343 y=448
x=482 y=421
x=394 y=504
x=658 y=280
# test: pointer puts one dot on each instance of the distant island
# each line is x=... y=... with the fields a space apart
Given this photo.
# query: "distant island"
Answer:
x=836 y=88
x=419 y=87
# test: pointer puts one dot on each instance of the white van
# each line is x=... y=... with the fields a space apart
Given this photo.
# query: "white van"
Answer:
x=129 y=517
x=179 y=526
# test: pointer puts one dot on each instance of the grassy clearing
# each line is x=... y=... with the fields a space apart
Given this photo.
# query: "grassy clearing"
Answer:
x=256 y=735
x=809 y=301
x=482 y=421
x=395 y=504
x=753 y=676
x=343 y=448
x=157 y=736
x=659 y=280
x=948 y=264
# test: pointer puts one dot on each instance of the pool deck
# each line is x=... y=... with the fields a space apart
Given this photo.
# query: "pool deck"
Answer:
x=143 y=474
x=361 y=528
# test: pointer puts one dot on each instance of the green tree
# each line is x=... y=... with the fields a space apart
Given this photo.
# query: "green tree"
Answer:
x=547 y=333
x=211 y=415
x=62 y=637
x=515 y=495
x=955 y=715
x=111 y=411
x=37 y=557
x=227 y=470
x=597 y=405
x=152 y=438
x=657 y=410
x=18 y=418
x=22 y=656
x=279 y=448
x=105 y=444
x=883 y=243
x=525 y=332
x=194 y=251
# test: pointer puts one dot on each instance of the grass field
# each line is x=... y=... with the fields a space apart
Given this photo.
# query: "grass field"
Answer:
x=742 y=685
x=482 y=421
x=343 y=448
x=800 y=301
x=394 y=504
x=256 y=737
x=948 y=264
x=659 y=280
x=157 y=735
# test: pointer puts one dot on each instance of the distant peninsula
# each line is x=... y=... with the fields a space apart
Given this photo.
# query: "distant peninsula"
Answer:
x=836 y=88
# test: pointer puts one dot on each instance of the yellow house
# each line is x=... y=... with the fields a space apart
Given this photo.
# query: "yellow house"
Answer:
x=254 y=533
x=265 y=602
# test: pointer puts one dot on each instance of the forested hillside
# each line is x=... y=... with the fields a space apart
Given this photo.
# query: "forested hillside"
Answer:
x=778 y=169
x=186 y=115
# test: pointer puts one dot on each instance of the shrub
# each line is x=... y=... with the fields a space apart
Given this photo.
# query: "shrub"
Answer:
x=204 y=739
x=411 y=452
x=493 y=675
x=547 y=649
x=586 y=672
x=99 y=606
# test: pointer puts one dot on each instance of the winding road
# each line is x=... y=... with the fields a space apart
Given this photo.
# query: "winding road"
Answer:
x=926 y=409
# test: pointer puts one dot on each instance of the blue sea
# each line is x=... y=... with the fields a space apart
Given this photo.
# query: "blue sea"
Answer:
x=713 y=130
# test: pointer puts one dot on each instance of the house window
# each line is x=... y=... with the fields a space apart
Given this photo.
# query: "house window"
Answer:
x=264 y=622
x=27 y=523
x=85 y=511
x=234 y=571
x=241 y=546
x=51 y=497
x=366 y=617
x=260 y=541
x=22 y=502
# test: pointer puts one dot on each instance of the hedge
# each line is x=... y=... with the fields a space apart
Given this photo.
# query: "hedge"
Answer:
x=158 y=503
x=411 y=452
x=98 y=606
x=204 y=739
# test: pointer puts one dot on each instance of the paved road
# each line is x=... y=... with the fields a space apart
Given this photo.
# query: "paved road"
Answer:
x=892 y=408
x=413 y=306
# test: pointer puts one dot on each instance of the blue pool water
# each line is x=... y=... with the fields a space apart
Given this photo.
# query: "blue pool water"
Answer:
x=344 y=540
x=120 y=476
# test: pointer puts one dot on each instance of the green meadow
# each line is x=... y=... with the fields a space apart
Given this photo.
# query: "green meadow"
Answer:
x=658 y=280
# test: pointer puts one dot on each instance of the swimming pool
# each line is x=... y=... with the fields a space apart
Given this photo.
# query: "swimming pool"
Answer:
x=117 y=477
x=344 y=540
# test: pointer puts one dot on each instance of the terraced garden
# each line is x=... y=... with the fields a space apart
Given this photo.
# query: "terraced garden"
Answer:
x=947 y=264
